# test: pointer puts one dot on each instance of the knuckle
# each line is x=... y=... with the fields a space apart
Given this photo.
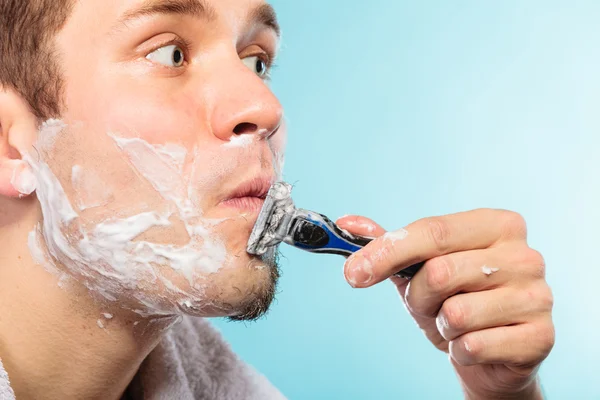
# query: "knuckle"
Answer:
x=438 y=274
x=473 y=347
x=546 y=337
x=521 y=359
x=540 y=344
x=546 y=298
x=513 y=225
x=535 y=263
x=382 y=254
x=521 y=376
x=453 y=311
x=439 y=233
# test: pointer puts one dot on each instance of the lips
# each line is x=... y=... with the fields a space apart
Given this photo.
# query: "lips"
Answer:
x=250 y=195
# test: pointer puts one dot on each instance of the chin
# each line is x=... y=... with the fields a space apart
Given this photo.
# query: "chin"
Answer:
x=241 y=291
x=245 y=287
x=240 y=288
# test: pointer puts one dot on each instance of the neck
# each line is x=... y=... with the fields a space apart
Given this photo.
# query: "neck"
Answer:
x=57 y=341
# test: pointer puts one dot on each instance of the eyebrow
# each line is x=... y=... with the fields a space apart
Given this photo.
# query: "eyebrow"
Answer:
x=264 y=14
x=194 y=8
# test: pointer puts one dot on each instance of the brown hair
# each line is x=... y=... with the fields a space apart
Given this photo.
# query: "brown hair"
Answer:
x=28 y=60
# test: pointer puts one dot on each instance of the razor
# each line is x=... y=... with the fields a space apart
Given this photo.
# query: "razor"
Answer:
x=279 y=221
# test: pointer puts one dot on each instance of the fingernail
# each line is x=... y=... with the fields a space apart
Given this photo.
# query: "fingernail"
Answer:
x=442 y=324
x=349 y=223
x=359 y=271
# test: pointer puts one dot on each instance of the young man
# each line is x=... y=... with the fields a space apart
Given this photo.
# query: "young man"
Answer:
x=133 y=205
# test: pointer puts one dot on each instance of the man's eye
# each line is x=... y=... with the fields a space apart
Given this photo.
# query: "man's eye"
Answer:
x=257 y=65
x=169 y=56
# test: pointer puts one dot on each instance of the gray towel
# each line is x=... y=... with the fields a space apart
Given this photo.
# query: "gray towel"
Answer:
x=192 y=362
x=6 y=392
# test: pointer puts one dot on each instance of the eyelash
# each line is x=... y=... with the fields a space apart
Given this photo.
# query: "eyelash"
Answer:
x=270 y=67
x=271 y=64
x=183 y=44
x=267 y=57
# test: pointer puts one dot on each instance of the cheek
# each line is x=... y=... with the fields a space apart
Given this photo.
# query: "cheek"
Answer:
x=156 y=113
x=95 y=176
x=154 y=120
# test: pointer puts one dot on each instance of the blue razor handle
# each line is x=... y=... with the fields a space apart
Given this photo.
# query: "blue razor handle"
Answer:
x=316 y=233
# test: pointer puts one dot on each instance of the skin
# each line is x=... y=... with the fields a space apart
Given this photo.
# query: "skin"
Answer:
x=49 y=339
x=497 y=329
x=115 y=81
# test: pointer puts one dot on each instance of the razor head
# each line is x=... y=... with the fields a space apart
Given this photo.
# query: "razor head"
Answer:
x=273 y=221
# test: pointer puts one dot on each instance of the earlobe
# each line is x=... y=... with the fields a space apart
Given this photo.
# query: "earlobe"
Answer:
x=16 y=178
x=18 y=128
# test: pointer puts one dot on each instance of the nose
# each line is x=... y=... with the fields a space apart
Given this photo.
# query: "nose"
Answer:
x=244 y=105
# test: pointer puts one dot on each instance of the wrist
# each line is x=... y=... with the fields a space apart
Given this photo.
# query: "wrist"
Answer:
x=532 y=392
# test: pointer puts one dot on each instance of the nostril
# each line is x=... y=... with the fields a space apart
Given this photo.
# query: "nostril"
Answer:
x=245 y=128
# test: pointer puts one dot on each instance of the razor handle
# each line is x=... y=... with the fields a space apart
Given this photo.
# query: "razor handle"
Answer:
x=316 y=233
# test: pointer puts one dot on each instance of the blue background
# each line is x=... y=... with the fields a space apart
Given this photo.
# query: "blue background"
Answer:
x=401 y=110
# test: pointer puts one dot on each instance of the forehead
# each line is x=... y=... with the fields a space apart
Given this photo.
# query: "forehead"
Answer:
x=100 y=13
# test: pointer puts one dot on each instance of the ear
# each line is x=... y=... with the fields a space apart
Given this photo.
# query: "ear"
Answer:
x=18 y=132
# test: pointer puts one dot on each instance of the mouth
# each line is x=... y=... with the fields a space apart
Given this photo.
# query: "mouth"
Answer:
x=249 y=197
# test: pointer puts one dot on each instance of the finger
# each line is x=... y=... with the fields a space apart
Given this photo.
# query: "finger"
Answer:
x=523 y=345
x=361 y=226
x=427 y=325
x=470 y=271
x=430 y=238
x=472 y=312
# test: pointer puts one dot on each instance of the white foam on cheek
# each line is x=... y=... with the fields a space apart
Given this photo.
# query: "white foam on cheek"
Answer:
x=51 y=128
x=166 y=180
x=240 y=140
x=172 y=154
x=106 y=258
x=90 y=190
x=63 y=281
x=158 y=168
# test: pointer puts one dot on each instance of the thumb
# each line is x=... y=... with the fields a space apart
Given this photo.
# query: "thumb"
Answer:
x=361 y=226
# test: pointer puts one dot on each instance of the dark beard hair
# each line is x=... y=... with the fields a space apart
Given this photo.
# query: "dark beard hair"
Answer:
x=259 y=306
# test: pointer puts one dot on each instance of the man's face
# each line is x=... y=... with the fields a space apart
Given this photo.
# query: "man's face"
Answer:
x=171 y=137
